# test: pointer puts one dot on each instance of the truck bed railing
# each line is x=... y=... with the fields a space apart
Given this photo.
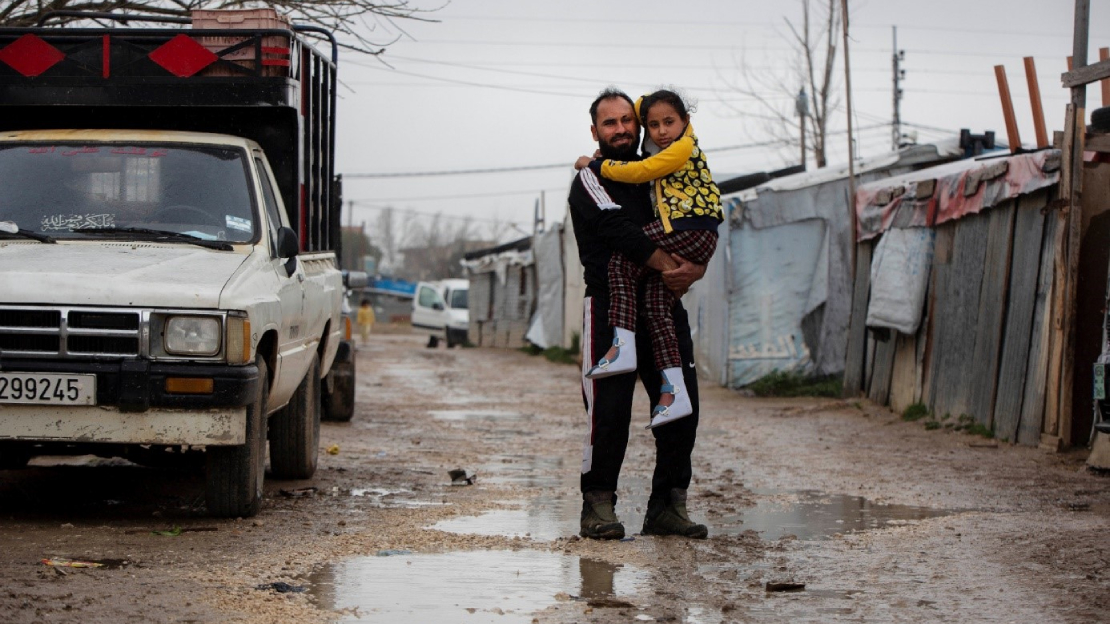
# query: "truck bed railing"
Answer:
x=268 y=85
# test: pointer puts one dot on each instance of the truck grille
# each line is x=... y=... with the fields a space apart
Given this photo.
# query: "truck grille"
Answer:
x=66 y=332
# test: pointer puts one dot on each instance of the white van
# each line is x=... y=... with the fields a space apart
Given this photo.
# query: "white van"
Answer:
x=440 y=310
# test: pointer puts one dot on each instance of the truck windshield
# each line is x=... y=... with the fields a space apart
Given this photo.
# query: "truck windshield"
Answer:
x=59 y=189
x=458 y=299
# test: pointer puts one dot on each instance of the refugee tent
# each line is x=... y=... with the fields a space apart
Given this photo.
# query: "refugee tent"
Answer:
x=953 y=283
x=502 y=295
x=786 y=271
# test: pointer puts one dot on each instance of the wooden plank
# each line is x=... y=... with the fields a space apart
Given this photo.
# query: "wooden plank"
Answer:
x=938 y=284
x=1012 y=138
x=1097 y=142
x=1034 y=401
x=886 y=342
x=903 y=376
x=869 y=363
x=1104 y=54
x=992 y=314
x=1020 y=308
x=1051 y=424
x=959 y=317
x=1085 y=75
x=1035 y=102
x=857 y=326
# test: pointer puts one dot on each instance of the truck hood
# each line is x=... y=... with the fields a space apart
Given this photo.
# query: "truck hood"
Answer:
x=114 y=273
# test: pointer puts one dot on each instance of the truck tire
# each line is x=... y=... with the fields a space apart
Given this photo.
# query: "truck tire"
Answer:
x=235 y=473
x=433 y=342
x=295 y=430
x=339 y=403
x=14 y=455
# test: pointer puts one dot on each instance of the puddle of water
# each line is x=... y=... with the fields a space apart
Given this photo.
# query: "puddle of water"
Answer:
x=525 y=470
x=393 y=499
x=806 y=515
x=476 y=415
x=815 y=515
x=543 y=519
x=480 y=586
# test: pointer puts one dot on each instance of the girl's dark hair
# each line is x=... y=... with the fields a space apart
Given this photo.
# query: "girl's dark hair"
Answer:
x=670 y=97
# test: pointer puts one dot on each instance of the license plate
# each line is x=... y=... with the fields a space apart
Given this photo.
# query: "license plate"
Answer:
x=48 y=388
x=1100 y=381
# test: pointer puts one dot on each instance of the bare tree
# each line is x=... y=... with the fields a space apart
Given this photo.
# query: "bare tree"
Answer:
x=808 y=92
x=355 y=22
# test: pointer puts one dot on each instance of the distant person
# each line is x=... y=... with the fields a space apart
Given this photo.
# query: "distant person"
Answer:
x=365 y=319
x=688 y=204
x=609 y=216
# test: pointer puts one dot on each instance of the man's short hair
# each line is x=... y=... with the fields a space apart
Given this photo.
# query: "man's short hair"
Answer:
x=607 y=94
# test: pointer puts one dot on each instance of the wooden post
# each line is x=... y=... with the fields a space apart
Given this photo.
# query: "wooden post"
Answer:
x=851 y=150
x=1075 y=219
x=1104 y=54
x=1035 y=101
x=1007 y=109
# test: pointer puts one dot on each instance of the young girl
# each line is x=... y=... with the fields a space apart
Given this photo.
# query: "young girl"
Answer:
x=688 y=204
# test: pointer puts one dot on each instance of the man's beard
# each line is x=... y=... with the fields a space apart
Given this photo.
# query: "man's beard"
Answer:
x=625 y=152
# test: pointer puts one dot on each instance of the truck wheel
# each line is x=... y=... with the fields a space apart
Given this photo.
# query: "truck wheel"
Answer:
x=339 y=404
x=235 y=473
x=295 y=430
x=433 y=342
x=14 y=455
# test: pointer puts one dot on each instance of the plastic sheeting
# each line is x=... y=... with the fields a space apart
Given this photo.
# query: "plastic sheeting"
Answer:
x=790 y=288
x=939 y=194
x=899 y=279
x=546 y=329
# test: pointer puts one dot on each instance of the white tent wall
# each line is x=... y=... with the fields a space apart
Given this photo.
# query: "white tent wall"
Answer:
x=574 y=290
x=707 y=306
x=502 y=298
x=789 y=288
x=546 y=329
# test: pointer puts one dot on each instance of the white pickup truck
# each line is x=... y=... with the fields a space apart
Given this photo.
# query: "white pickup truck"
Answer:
x=166 y=279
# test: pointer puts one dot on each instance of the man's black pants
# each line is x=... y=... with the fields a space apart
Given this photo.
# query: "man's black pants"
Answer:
x=609 y=407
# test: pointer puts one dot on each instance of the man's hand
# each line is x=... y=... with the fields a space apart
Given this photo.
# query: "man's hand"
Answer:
x=681 y=278
x=582 y=161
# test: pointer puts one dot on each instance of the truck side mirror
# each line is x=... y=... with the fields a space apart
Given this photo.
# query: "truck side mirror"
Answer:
x=287 y=244
x=437 y=306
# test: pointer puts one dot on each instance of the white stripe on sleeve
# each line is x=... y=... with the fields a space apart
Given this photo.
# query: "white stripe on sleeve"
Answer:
x=596 y=191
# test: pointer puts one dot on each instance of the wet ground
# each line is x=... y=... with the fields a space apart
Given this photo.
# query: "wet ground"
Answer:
x=819 y=510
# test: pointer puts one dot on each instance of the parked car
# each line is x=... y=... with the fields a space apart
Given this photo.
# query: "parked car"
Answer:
x=440 y=310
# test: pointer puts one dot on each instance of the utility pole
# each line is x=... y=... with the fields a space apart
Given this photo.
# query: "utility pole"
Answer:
x=899 y=74
x=801 y=109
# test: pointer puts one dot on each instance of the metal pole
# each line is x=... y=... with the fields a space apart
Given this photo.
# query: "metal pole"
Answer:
x=896 y=126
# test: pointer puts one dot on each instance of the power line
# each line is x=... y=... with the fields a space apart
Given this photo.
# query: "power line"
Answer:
x=566 y=165
x=358 y=203
x=463 y=196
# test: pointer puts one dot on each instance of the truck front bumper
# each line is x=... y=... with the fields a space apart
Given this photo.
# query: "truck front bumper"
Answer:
x=102 y=424
x=133 y=405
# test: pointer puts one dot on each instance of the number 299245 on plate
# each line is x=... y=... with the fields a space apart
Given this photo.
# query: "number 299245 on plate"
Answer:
x=48 y=388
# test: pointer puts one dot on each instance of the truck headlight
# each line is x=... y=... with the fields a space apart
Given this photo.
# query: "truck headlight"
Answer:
x=192 y=335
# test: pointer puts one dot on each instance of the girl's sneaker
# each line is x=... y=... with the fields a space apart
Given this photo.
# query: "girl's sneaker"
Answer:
x=624 y=341
x=680 y=408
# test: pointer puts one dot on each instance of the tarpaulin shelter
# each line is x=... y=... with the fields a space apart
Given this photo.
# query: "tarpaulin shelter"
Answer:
x=952 y=301
x=784 y=280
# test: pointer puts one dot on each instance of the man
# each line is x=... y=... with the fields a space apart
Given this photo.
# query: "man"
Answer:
x=609 y=216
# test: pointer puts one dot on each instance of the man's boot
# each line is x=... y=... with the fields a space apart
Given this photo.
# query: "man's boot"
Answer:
x=599 y=520
x=669 y=517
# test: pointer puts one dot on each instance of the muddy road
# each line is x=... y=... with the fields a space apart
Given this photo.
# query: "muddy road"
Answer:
x=880 y=520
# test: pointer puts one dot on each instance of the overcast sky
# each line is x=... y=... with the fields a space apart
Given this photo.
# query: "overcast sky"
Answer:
x=503 y=84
